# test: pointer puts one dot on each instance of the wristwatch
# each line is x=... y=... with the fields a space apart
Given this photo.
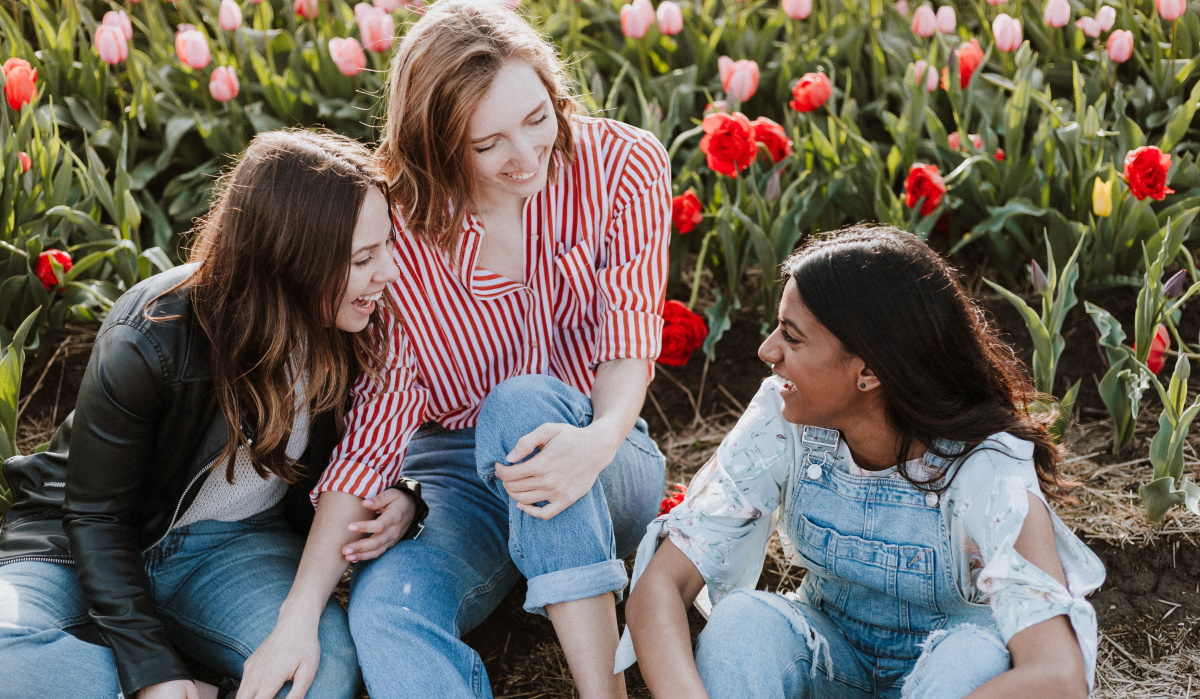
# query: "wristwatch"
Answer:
x=413 y=488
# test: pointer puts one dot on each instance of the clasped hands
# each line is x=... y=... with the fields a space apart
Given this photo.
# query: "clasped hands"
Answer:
x=564 y=470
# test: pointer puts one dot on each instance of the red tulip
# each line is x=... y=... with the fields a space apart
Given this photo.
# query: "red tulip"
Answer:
x=797 y=9
x=377 y=27
x=347 y=55
x=772 y=135
x=1007 y=33
x=118 y=18
x=924 y=22
x=1156 y=360
x=683 y=333
x=26 y=163
x=1057 y=14
x=229 y=17
x=1120 y=45
x=969 y=58
x=739 y=79
x=44 y=270
x=223 y=85
x=686 y=212
x=20 y=85
x=110 y=44
x=305 y=9
x=1146 y=172
x=676 y=496
x=636 y=18
x=811 y=92
x=924 y=182
x=1171 y=10
x=728 y=142
x=192 y=47
x=670 y=18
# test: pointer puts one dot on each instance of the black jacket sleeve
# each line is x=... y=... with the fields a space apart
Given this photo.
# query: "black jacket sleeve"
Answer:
x=121 y=400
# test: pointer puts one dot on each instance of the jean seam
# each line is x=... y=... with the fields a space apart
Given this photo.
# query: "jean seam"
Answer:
x=479 y=590
x=210 y=634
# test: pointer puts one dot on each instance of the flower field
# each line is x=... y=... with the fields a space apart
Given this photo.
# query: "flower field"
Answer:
x=1048 y=147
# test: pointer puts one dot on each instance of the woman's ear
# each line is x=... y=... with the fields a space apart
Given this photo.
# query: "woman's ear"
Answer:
x=866 y=379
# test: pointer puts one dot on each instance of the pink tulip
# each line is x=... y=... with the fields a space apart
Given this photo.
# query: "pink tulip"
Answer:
x=110 y=44
x=945 y=20
x=996 y=2
x=1057 y=14
x=1170 y=10
x=902 y=7
x=229 y=17
x=1089 y=26
x=1105 y=17
x=923 y=72
x=670 y=18
x=118 y=18
x=1007 y=32
x=254 y=2
x=305 y=9
x=636 y=18
x=924 y=23
x=1120 y=45
x=223 y=85
x=192 y=47
x=739 y=79
x=377 y=27
x=390 y=5
x=797 y=9
x=347 y=55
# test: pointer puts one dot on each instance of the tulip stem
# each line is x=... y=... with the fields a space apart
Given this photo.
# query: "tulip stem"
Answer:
x=699 y=271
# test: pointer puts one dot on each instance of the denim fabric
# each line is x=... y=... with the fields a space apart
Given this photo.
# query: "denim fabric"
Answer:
x=874 y=599
x=409 y=608
x=217 y=587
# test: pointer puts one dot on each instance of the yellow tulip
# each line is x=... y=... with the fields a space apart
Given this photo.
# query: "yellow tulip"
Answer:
x=1102 y=197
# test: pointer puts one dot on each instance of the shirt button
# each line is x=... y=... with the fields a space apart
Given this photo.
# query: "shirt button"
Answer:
x=536 y=344
x=813 y=472
x=931 y=499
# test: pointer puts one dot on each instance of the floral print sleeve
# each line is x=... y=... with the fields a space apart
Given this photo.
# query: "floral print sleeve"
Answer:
x=986 y=509
x=725 y=520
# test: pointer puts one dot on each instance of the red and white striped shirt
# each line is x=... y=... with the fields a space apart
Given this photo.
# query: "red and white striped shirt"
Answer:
x=595 y=272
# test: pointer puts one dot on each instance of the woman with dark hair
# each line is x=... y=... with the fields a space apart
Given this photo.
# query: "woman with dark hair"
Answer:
x=894 y=449
x=210 y=404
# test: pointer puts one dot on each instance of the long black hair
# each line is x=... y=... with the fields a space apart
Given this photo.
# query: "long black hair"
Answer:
x=945 y=373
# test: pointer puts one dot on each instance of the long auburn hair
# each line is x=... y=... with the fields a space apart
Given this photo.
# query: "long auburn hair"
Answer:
x=945 y=373
x=446 y=62
x=273 y=257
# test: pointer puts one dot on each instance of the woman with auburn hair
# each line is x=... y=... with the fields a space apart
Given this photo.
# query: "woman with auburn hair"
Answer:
x=532 y=246
x=168 y=511
x=894 y=448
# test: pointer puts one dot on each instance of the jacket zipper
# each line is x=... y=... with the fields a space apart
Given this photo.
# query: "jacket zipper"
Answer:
x=41 y=559
x=178 y=505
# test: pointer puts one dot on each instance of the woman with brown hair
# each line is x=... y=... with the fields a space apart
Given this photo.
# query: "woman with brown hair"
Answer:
x=211 y=401
x=532 y=246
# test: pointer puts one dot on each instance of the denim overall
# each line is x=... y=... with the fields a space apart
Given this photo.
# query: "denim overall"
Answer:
x=879 y=583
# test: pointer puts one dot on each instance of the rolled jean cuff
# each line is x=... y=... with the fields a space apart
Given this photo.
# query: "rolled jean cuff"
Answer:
x=575 y=584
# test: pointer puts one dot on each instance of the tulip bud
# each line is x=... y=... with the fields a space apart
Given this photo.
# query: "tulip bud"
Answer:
x=110 y=44
x=1105 y=17
x=229 y=17
x=347 y=55
x=1007 y=33
x=20 y=82
x=797 y=9
x=43 y=269
x=1171 y=10
x=924 y=23
x=223 y=85
x=945 y=20
x=739 y=79
x=996 y=2
x=1120 y=45
x=305 y=9
x=1102 y=197
x=377 y=27
x=1174 y=286
x=390 y=5
x=774 y=187
x=192 y=47
x=670 y=18
x=26 y=163
x=118 y=18
x=636 y=18
x=1089 y=26
x=1040 y=283
x=1057 y=14
x=926 y=74
x=902 y=7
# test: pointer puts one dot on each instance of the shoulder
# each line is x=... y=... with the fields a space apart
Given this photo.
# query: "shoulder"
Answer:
x=999 y=461
x=638 y=152
x=153 y=320
x=761 y=430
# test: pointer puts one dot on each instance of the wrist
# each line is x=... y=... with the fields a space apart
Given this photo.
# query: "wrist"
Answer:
x=610 y=434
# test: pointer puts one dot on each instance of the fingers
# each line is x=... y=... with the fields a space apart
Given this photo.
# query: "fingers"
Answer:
x=525 y=445
x=370 y=526
x=302 y=680
x=532 y=497
x=547 y=512
x=382 y=500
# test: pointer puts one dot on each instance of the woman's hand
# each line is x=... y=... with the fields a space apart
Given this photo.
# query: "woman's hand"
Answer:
x=291 y=652
x=394 y=510
x=562 y=472
x=175 y=689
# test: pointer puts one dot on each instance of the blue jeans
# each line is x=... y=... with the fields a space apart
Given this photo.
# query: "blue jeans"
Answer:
x=217 y=586
x=409 y=608
x=790 y=649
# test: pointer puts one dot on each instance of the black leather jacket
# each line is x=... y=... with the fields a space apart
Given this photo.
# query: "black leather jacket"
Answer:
x=144 y=431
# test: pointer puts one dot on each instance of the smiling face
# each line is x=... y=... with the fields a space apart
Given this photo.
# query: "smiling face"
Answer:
x=371 y=265
x=821 y=378
x=512 y=133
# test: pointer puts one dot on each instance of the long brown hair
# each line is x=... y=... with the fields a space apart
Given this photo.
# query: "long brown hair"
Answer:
x=445 y=64
x=273 y=258
x=945 y=373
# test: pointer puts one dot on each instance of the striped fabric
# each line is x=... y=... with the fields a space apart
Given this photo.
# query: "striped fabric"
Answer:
x=595 y=271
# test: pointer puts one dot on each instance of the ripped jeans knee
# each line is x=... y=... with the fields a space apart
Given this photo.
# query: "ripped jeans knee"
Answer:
x=955 y=662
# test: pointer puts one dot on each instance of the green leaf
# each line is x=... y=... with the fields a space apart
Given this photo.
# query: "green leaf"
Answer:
x=11 y=361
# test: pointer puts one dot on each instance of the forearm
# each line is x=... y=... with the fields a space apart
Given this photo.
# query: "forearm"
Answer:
x=322 y=563
x=657 y=617
x=617 y=398
x=1047 y=682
